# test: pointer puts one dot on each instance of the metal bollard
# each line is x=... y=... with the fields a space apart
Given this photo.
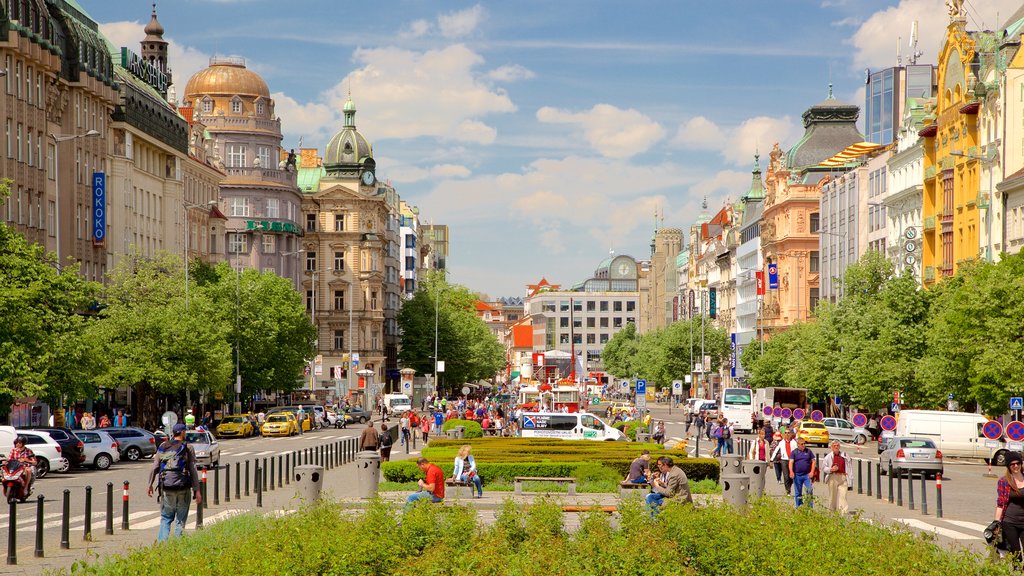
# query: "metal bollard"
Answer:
x=890 y=483
x=878 y=480
x=200 y=506
x=87 y=528
x=924 y=495
x=202 y=490
x=272 y=482
x=259 y=490
x=860 y=483
x=227 y=483
x=247 y=478
x=899 y=488
x=216 y=485
x=264 y=484
x=238 y=480
x=12 y=533
x=109 y=530
x=869 y=478
x=65 y=521
x=287 y=470
x=280 y=471
x=910 y=488
x=124 y=507
x=39 y=526
x=938 y=495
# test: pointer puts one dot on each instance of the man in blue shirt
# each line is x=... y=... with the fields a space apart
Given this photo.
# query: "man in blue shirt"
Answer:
x=801 y=470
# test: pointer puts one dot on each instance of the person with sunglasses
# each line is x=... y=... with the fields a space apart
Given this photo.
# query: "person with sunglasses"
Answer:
x=1010 y=505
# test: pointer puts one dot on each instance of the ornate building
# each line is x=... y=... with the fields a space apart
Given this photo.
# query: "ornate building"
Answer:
x=259 y=195
x=662 y=301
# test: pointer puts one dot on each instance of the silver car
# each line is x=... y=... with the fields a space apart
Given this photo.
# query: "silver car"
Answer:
x=911 y=454
x=206 y=447
x=844 y=430
x=101 y=450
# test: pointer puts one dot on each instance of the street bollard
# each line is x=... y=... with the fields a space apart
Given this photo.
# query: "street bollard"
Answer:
x=124 y=507
x=860 y=483
x=109 y=530
x=869 y=478
x=65 y=521
x=938 y=495
x=272 y=482
x=216 y=485
x=39 y=526
x=878 y=480
x=12 y=533
x=238 y=480
x=87 y=528
x=199 y=507
x=247 y=478
x=287 y=470
x=890 y=483
x=280 y=471
x=227 y=483
x=899 y=488
x=924 y=495
x=696 y=453
x=910 y=489
x=259 y=490
x=202 y=489
x=264 y=478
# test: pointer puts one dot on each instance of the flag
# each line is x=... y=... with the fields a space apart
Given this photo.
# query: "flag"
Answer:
x=578 y=368
x=759 y=276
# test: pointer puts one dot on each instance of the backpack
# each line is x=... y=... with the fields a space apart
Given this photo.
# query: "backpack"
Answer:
x=726 y=432
x=718 y=432
x=173 y=465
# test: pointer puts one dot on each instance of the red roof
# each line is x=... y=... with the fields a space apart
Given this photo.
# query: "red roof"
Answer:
x=216 y=213
x=534 y=288
x=482 y=306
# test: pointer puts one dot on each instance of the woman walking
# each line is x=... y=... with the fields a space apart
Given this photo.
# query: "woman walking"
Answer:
x=1010 y=506
x=384 y=443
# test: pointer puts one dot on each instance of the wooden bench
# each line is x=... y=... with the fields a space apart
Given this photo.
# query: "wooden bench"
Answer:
x=520 y=479
x=457 y=489
x=626 y=488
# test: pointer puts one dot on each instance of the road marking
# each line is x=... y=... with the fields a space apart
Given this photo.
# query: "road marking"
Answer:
x=924 y=526
x=265 y=453
x=237 y=453
x=966 y=524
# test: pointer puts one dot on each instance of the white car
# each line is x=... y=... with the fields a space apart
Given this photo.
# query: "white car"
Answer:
x=47 y=451
x=843 y=429
x=101 y=450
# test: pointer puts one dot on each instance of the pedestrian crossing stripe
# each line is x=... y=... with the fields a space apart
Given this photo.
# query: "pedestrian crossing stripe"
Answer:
x=948 y=533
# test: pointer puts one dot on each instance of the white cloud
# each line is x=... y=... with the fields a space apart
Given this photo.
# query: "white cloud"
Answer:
x=727 y=183
x=406 y=174
x=460 y=24
x=417 y=29
x=315 y=122
x=875 y=40
x=613 y=132
x=510 y=73
x=184 y=61
x=738 y=144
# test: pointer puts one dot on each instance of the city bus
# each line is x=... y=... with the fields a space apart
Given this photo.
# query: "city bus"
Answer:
x=737 y=405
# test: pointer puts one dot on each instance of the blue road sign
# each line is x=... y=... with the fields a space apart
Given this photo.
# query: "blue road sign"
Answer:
x=950 y=397
x=895 y=407
x=839 y=401
x=641 y=386
x=1016 y=403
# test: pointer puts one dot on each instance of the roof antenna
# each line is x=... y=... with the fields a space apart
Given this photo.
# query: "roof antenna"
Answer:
x=914 y=52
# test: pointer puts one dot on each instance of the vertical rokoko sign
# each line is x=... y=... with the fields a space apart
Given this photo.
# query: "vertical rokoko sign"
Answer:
x=99 y=208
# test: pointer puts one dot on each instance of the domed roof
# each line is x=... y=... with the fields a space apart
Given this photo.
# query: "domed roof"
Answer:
x=226 y=76
x=347 y=147
x=154 y=28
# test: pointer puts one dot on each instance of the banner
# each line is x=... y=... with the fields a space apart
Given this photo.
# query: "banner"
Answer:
x=732 y=360
x=759 y=276
x=691 y=309
x=773 y=276
x=713 y=302
x=99 y=208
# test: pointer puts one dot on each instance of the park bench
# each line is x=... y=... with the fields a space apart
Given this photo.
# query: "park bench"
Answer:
x=626 y=488
x=520 y=479
x=458 y=489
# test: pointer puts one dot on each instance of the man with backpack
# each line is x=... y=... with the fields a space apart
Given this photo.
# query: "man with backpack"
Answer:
x=174 y=468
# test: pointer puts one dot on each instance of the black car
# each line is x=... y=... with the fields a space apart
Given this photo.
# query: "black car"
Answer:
x=356 y=414
x=70 y=446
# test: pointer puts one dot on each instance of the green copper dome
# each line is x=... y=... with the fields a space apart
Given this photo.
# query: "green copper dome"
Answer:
x=348 y=148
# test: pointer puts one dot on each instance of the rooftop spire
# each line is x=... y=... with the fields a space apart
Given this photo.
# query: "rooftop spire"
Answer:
x=154 y=28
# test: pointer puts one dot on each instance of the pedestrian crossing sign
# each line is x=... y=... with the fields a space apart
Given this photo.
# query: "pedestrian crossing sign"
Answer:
x=1016 y=403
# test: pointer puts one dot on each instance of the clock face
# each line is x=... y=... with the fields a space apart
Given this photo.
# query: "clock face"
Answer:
x=623 y=269
x=368 y=178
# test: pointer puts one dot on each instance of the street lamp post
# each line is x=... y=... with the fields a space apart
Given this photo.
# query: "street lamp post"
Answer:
x=57 y=139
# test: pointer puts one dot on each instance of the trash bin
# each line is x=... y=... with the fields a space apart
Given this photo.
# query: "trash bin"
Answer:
x=731 y=464
x=735 y=488
x=643 y=437
x=309 y=480
x=755 y=470
x=460 y=431
x=367 y=473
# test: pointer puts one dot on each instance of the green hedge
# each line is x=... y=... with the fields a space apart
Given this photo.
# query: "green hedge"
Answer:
x=407 y=471
x=473 y=428
x=770 y=538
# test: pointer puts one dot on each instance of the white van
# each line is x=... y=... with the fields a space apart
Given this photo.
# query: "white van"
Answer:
x=571 y=426
x=956 y=434
x=7 y=436
x=397 y=403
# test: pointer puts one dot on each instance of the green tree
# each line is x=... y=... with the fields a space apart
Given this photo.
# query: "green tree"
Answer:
x=149 y=340
x=41 y=318
x=264 y=314
x=464 y=342
x=620 y=354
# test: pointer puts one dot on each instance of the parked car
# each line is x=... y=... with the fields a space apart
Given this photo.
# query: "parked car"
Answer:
x=206 y=447
x=101 y=450
x=843 y=429
x=134 y=443
x=307 y=422
x=617 y=408
x=71 y=446
x=48 y=452
x=812 y=432
x=235 y=426
x=280 y=424
x=356 y=414
x=910 y=453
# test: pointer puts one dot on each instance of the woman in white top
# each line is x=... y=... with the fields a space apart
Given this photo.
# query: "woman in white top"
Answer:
x=465 y=470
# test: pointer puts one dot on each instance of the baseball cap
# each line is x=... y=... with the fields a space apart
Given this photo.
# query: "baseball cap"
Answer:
x=178 y=428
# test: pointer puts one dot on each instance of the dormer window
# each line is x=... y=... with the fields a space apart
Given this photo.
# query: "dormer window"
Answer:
x=236 y=105
x=207 y=105
x=259 y=108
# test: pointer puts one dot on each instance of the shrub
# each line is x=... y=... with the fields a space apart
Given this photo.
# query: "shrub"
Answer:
x=473 y=428
x=406 y=470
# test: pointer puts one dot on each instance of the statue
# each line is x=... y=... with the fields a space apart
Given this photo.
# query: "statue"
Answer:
x=290 y=163
x=956 y=9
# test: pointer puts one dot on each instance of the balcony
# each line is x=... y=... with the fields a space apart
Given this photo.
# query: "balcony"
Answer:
x=929 y=172
x=252 y=174
x=929 y=274
x=214 y=122
x=929 y=223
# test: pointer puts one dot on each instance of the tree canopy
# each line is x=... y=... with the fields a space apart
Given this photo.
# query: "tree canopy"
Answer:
x=664 y=355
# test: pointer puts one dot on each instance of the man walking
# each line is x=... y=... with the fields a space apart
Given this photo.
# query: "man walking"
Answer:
x=781 y=455
x=801 y=470
x=368 y=439
x=174 y=468
x=837 y=479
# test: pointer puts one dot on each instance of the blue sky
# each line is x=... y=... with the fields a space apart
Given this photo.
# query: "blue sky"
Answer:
x=547 y=133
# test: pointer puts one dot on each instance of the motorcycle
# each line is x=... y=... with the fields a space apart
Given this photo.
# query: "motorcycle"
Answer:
x=15 y=480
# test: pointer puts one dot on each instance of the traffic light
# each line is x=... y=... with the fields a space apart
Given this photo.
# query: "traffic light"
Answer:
x=713 y=302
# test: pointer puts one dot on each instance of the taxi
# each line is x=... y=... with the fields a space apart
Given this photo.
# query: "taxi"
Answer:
x=280 y=424
x=235 y=426
x=619 y=408
x=812 y=432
